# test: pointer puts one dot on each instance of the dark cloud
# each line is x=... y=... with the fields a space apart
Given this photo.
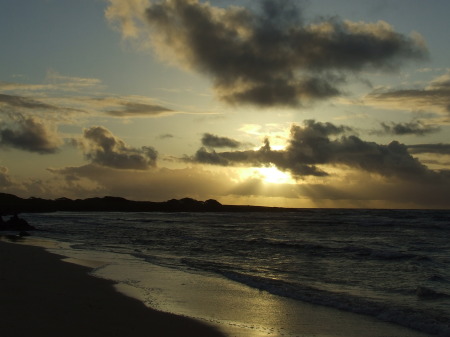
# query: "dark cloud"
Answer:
x=430 y=148
x=210 y=140
x=103 y=148
x=206 y=157
x=166 y=136
x=364 y=191
x=271 y=56
x=411 y=128
x=315 y=144
x=130 y=109
x=24 y=102
x=30 y=134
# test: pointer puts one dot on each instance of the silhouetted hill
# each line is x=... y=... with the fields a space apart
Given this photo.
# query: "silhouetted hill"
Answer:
x=11 y=204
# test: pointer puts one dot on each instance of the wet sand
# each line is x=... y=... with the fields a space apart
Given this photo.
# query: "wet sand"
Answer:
x=42 y=296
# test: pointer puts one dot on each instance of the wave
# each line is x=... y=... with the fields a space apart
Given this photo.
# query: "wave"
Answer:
x=430 y=294
x=352 y=251
x=397 y=260
x=414 y=319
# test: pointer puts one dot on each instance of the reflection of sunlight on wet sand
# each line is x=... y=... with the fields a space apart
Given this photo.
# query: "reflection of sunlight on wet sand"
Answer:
x=236 y=309
x=33 y=241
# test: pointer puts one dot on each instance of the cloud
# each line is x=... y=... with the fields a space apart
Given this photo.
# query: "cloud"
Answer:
x=430 y=148
x=126 y=16
x=166 y=136
x=359 y=189
x=70 y=83
x=155 y=185
x=433 y=97
x=47 y=100
x=410 y=128
x=314 y=146
x=131 y=109
x=49 y=105
x=126 y=106
x=270 y=56
x=101 y=147
x=5 y=180
x=54 y=81
x=14 y=101
x=30 y=134
x=210 y=140
x=10 y=86
x=298 y=164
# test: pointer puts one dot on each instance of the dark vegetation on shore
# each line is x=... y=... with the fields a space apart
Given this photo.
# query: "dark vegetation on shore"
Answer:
x=11 y=204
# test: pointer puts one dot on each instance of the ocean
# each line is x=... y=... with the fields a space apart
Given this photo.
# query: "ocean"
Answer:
x=389 y=265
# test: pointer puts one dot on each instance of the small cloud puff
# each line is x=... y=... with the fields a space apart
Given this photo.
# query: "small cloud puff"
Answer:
x=101 y=147
x=210 y=140
x=30 y=134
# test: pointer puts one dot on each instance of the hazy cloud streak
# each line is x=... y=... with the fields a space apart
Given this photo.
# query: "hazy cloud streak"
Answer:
x=131 y=109
x=14 y=101
x=409 y=128
x=433 y=97
x=430 y=148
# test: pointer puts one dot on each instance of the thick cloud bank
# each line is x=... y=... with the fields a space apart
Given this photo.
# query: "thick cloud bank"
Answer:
x=315 y=146
x=268 y=56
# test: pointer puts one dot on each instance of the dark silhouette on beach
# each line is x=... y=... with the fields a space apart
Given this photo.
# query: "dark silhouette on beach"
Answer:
x=15 y=224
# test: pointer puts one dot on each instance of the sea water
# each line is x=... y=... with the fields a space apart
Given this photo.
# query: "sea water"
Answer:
x=390 y=265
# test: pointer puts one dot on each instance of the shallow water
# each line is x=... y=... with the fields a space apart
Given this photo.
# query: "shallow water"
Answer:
x=389 y=265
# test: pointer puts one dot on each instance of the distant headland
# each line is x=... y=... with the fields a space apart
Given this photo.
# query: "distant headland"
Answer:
x=11 y=204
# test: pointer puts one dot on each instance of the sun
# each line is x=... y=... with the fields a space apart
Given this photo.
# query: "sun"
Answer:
x=272 y=175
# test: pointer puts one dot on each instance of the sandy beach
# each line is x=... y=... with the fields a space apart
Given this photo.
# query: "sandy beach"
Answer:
x=43 y=296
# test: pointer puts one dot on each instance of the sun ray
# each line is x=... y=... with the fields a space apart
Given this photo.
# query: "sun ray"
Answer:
x=272 y=175
x=267 y=175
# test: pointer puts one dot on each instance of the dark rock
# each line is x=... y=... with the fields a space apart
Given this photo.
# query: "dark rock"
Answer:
x=15 y=224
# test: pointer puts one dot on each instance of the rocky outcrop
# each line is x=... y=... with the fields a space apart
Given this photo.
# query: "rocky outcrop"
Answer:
x=15 y=224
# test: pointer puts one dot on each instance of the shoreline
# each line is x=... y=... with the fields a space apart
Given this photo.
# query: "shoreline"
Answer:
x=181 y=304
x=44 y=296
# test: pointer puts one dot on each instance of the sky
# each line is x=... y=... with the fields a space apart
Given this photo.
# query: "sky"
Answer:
x=319 y=103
